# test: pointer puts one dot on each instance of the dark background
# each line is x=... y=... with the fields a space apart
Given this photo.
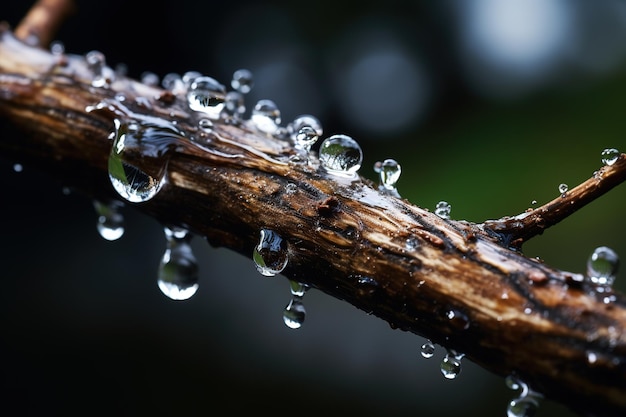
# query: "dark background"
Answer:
x=486 y=104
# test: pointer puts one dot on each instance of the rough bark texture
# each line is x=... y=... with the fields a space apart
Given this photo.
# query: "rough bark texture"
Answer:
x=465 y=286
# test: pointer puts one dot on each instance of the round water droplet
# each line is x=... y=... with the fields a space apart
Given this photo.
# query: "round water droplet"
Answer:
x=443 y=209
x=174 y=83
x=411 y=244
x=271 y=254
x=428 y=349
x=17 y=167
x=57 y=48
x=305 y=120
x=458 y=319
x=205 y=124
x=294 y=314
x=234 y=106
x=178 y=270
x=451 y=365
x=110 y=222
x=602 y=266
x=134 y=140
x=305 y=138
x=609 y=156
x=103 y=76
x=266 y=116
x=522 y=407
x=297 y=288
x=563 y=189
x=389 y=171
x=206 y=95
x=242 y=81
x=341 y=155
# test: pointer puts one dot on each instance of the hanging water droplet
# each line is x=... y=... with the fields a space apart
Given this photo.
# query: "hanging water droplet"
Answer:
x=297 y=289
x=138 y=140
x=266 y=116
x=242 y=81
x=178 y=270
x=563 y=189
x=609 y=156
x=526 y=404
x=271 y=254
x=341 y=155
x=451 y=364
x=206 y=95
x=389 y=171
x=602 y=266
x=428 y=349
x=110 y=221
x=443 y=209
x=294 y=313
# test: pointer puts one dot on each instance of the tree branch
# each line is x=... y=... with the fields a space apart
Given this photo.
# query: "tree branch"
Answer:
x=457 y=283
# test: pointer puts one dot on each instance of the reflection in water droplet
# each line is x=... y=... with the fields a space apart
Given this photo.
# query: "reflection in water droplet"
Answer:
x=294 y=313
x=428 y=349
x=206 y=95
x=178 y=270
x=139 y=141
x=341 y=155
x=609 y=156
x=271 y=254
x=242 y=81
x=526 y=404
x=451 y=364
x=443 y=210
x=563 y=189
x=266 y=116
x=602 y=266
x=389 y=171
x=110 y=221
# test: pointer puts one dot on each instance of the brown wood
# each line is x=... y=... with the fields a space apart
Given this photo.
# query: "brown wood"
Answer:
x=463 y=285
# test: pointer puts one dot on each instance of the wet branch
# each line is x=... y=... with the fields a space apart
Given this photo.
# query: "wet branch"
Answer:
x=465 y=286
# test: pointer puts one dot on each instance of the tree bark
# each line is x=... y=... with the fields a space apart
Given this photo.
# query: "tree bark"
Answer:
x=466 y=286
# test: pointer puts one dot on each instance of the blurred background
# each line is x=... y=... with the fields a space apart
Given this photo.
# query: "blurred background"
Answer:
x=487 y=104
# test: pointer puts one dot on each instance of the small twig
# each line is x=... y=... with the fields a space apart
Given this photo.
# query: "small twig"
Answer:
x=42 y=21
x=513 y=231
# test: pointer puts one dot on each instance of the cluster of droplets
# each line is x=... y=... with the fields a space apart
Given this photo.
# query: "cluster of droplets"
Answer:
x=178 y=269
x=389 y=172
x=602 y=267
x=110 y=223
x=526 y=403
x=294 y=313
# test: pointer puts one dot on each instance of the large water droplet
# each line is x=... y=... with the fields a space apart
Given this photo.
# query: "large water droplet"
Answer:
x=428 y=349
x=138 y=140
x=602 y=266
x=443 y=209
x=206 y=95
x=178 y=270
x=271 y=254
x=526 y=404
x=389 y=171
x=341 y=155
x=609 y=156
x=110 y=221
x=451 y=364
x=266 y=116
x=242 y=81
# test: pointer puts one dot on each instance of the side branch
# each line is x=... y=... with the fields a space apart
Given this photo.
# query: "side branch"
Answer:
x=453 y=282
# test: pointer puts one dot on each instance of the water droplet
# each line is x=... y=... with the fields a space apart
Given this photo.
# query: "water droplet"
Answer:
x=57 y=48
x=271 y=254
x=526 y=404
x=563 y=189
x=266 y=116
x=341 y=155
x=206 y=95
x=458 y=319
x=205 y=124
x=234 y=105
x=305 y=138
x=110 y=221
x=428 y=349
x=609 y=156
x=17 y=167
x=174 y=83
x=103 y=76
x=242 y=81
x=138 y=140
x=149 y=78
x=451 y=364
x=389 y=171
x=290 y=188
x=305 y=120
x=178 y=270
x=297 y=289
x=411 y=244
x=602 y=267
x=294 y=313
x=443 y=209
